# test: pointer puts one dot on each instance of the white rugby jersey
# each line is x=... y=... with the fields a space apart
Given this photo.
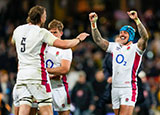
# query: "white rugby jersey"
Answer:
x=53 y=57
x=30 y=41
x=126 y=61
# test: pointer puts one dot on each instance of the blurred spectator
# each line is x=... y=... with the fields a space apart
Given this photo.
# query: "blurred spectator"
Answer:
x=3 y=55
x=155 y=45
x=157 y=97
x=99 y=85
x=72 y=78
x=82 y=96
x=3 y=4
x=121 y=18
x=5 y=93
x=145 y=107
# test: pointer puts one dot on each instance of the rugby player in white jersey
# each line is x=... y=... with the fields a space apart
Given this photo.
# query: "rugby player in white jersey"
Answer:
x=58 y=62
x=126 y=60
x=30 y=41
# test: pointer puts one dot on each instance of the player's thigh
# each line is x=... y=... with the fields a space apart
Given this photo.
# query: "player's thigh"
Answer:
x=23 y=94
x=64 y=112
x=126 y=110
x=24 y=109
x=41 y=94
x=128 y=96
x=128 y=99
x=61 y=102
x=43 y=97
x=46 y=110
x=115 y=98
x=116 y=111
x=16 y=110
x=15 y=98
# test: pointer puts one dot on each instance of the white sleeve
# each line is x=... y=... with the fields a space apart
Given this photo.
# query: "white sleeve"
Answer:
x=48 y=37
x=111 y=46
x=67 y=54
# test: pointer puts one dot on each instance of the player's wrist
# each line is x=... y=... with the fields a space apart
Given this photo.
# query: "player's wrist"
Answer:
x=137 y=20
x=94 y=25
x=79 y=39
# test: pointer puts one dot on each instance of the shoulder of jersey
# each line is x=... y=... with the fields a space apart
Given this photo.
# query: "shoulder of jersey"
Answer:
x=43 y=29
x=21 y=27
x=67 y=49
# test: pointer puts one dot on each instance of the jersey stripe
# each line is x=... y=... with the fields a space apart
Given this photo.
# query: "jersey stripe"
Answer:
x=135 y=67
x=64 y=78
x=43 y=69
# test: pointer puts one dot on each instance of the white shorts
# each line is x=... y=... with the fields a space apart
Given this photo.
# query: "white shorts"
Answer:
x=16 y=100
x=27 y=93
x=61 y=99
x=123 y=96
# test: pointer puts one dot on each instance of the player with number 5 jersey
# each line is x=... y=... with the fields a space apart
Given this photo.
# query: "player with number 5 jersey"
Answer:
x=31 y=40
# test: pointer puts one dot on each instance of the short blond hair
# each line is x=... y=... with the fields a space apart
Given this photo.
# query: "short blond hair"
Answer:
x=56 y=24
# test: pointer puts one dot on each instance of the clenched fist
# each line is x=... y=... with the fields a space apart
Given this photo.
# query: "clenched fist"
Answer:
x=133 y=15
x=93 y=17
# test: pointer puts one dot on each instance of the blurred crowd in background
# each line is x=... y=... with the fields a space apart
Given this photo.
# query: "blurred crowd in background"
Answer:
x=87 y=57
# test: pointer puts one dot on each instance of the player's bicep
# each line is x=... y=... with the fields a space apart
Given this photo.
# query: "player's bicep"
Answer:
x=142 y=44
x=60 y=43
x=65 y=64
x=48 y=37
x=104 y=44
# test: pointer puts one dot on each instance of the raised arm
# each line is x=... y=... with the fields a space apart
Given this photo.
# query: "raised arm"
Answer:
x=95 y=32
x=142 y=42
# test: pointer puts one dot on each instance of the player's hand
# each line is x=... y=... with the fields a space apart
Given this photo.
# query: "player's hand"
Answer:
x=54 y=77
x=109 y=80
x=93 y=17
x=82 y=36
x=133 y=15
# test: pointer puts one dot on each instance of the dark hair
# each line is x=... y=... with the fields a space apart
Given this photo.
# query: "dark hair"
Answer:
x=56 y=24
x=34 y=14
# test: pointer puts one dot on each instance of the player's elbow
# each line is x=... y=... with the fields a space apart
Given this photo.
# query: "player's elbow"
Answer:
x=65 y=70
x=147 y=36
x=66 y=46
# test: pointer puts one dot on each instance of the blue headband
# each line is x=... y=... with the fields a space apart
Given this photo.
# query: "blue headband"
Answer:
x=130 y=31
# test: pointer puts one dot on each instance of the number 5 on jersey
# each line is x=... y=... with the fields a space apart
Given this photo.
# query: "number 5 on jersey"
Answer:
x=23 y=44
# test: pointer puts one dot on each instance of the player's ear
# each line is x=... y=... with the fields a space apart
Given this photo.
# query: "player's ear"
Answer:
x=61 y=33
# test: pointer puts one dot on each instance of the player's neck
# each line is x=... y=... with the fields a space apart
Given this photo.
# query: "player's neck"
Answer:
x=35 y=24
x=128 y=43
